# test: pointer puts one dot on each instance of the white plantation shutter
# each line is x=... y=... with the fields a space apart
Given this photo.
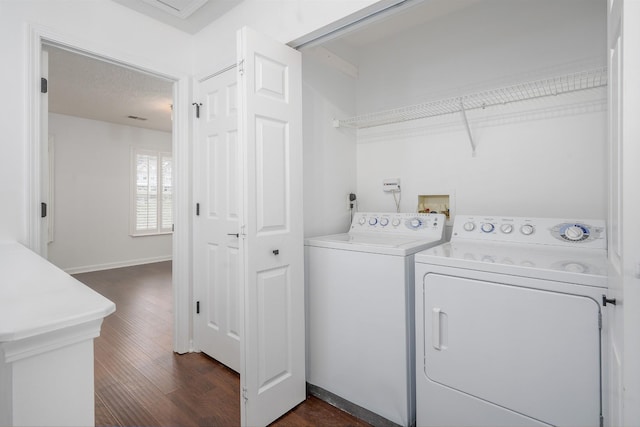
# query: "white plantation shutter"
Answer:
x=152 y=194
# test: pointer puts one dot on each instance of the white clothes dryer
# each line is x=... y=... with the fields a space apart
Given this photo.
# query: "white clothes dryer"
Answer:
x=360 y=309
x=509 y=324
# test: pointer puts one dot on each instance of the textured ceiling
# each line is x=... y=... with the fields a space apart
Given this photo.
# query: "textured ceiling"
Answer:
x=86 y=87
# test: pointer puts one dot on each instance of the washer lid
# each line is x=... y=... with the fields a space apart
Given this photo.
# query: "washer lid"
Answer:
x=584 y=266
x=374 y=243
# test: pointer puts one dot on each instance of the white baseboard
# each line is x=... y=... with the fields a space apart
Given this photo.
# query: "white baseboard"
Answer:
x=119 y=264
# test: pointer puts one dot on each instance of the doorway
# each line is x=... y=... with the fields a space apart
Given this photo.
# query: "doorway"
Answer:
x=180 y=150
x=110 y=132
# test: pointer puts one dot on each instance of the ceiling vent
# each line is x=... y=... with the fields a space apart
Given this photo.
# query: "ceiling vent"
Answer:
x=180 y=8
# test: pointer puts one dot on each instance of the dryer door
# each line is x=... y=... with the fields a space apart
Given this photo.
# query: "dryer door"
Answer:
x=532 y=351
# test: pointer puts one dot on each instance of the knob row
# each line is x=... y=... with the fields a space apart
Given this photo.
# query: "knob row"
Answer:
x=487 y=227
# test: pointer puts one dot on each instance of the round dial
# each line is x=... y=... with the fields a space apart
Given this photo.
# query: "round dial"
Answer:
x=362 y=221
x=395 y=222
x=527 y=229
x=575 y=267
x=575 y=232
x=469 y=226
x=373 y=221
x=506 y=228
x=384 y=222
x=487 y=227
x=415 y=223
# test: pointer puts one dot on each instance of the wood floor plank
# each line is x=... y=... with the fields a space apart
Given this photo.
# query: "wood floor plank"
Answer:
x=139 y=381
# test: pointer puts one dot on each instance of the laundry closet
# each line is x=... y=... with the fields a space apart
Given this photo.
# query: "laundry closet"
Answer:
x=541 y=156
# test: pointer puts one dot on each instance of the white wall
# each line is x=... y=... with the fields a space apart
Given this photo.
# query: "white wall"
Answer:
x=92 y=195
x=329 y=155
x=282 y=20
x=540 y=158
x=99 y=25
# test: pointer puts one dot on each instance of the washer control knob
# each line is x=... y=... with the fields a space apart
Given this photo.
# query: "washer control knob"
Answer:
x=373 y=221
x=575 y=267
x=362 y=220
x=415 y=223
x=384 y=222
x=574 y=233
x=395 y=222
x=469 y=226
x=506 y=228
x=487 y=227
x=527 y=229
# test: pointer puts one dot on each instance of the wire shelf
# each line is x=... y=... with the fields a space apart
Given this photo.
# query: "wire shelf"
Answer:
x=568 y=83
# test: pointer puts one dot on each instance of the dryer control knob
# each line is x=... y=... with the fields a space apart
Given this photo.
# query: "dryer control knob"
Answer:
x=362 y=221
x=487 y=227
x=373 y=221
x=395 y=222
x=469 y=226
x=506 y=228
x=527 y=229
x=574 y=233
x=415 y=223
x=384 y=222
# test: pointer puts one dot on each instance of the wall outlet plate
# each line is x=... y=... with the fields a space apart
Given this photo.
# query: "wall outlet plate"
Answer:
x=391 y=185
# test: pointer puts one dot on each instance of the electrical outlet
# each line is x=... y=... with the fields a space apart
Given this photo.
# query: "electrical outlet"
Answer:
x=391 y=185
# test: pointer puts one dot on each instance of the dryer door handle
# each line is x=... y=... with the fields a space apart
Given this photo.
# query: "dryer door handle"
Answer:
x=435 y=328
x=439 y=329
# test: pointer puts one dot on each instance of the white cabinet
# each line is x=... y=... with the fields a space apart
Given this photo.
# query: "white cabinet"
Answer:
x=48 y=321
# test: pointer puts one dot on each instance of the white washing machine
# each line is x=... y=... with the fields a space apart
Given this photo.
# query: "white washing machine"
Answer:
x=509 y=319
x=360 y=336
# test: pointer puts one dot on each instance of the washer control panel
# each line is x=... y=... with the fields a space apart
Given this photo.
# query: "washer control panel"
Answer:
x=420 y=223
x=550 y=231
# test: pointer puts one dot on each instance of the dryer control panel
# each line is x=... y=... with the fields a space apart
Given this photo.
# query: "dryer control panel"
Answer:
x=547 y=231
x=398 y=223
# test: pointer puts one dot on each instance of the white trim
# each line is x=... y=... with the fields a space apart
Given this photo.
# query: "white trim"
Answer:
x=117 y=264
x=379 y=10
x=181 y=148
x=32 y=132
x=182 y=218
x=14 y=351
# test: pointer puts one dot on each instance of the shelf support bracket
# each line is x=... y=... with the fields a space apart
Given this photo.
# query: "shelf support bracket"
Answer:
x=466 y=124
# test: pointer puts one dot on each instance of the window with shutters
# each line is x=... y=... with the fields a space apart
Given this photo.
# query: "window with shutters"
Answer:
x=152 y=211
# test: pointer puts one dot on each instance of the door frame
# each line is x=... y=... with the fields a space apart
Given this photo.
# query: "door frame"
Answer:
x=181 y=146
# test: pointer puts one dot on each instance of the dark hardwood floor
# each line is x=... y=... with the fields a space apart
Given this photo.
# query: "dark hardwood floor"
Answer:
x=139 y=381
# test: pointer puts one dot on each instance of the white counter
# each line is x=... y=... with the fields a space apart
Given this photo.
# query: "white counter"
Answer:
x=48 y=321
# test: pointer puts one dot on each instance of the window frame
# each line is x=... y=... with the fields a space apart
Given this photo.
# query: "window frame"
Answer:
x=160 y=155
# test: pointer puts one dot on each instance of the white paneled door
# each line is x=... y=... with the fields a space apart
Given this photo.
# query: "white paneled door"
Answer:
x=624 y=210
x=216 y=242
x=248 y=232
x=272 y=348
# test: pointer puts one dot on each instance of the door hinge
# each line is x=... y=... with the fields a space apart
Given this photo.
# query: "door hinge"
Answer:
x=245 y=395
x=197 y=209
x=198 y=105
x=197 y=307
x=241 y=67
x=601 y=421
x=173 y=228
x=43 y=85
x=43 y=210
